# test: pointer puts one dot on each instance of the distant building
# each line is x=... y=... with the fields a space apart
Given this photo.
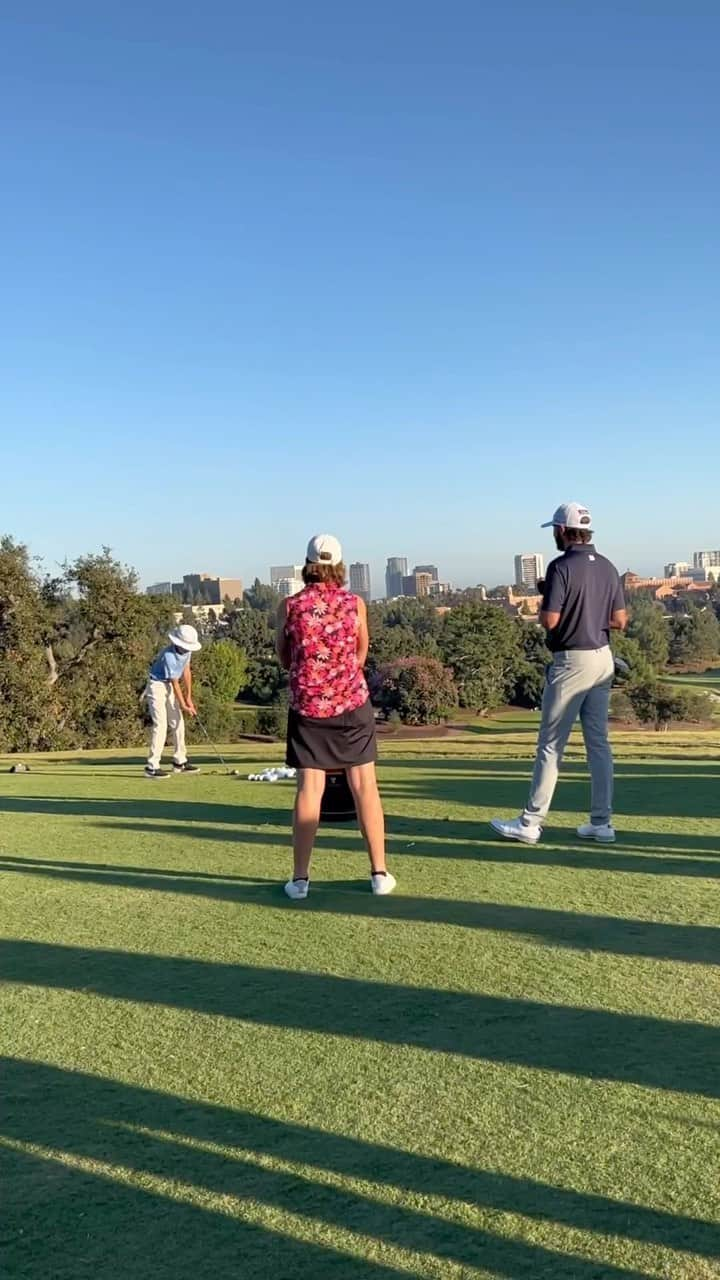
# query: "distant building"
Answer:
x=677 y=569
x=229 y=589
x=288 y=587
x=432 y=569
x=397 y=567
x=200 y=589
x=439 y=589
x=518 y=604
x=360 y=580
x=416 y=584
x=529 y=569
x=661 y=588
x=280 y=571
x=706 y=560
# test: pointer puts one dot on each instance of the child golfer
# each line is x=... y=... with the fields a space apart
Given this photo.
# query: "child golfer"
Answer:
x=169 y=693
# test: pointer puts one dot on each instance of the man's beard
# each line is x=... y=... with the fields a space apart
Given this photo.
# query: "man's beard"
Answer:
x=558 y=540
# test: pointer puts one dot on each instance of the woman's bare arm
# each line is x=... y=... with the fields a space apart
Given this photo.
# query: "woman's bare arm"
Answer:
x=363 y=636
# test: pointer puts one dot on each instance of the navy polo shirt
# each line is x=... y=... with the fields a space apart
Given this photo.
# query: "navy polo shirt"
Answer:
x=584 y=588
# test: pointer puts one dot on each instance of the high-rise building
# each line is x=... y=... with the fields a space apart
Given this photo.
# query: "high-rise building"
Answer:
x=417 y=584
x=159 y=589
x=706 y=559
x=529 y=567
x=289 y=586
x=395 y=572
x=432 y=569
x=677 y=569
x=280 y=571
x=360 y=580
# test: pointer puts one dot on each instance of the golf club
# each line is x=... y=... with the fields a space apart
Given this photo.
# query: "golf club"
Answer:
x=215 y=748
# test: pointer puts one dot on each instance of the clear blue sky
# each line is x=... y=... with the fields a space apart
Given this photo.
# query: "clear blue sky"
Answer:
x=409 y=272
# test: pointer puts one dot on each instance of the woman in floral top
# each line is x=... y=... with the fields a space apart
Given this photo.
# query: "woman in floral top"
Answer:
x=322 y=640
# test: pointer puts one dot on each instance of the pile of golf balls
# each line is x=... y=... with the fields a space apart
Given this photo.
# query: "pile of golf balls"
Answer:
x=272 y=775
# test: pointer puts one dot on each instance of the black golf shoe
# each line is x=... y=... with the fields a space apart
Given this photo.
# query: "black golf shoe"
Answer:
x=155 y=773
x=187 y=767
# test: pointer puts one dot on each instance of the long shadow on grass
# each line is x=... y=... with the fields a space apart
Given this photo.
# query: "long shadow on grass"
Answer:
x=494 y=785
x=692 y=944
x=71 y=1224
x=592 y=1043
x=150 y=1132
x=452 y=840
x=150 y=809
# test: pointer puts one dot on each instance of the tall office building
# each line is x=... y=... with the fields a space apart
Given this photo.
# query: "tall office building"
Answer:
x=280 y=571
x=360 y=580
x=397 y=567
x=432 y=569
x=677 y=569
x=529 y=567
x=706 y=559
x=159 y=589
x=417 y=584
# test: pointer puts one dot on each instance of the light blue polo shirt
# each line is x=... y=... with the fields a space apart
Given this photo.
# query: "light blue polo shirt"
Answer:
x=169 y=664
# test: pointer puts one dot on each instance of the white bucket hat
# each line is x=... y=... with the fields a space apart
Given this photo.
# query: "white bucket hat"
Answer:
x=185 y=637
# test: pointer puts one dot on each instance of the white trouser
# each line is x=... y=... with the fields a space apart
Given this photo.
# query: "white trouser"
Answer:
x=166 y=714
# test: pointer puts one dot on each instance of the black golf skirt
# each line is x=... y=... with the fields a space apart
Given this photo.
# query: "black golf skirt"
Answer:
x=337 y=742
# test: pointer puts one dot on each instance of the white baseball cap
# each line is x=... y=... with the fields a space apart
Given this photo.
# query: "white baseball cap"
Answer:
x=185 y=637
x=570 y=515
x=324 y=549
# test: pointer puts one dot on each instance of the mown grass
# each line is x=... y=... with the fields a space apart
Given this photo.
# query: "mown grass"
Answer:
x=510 y=1069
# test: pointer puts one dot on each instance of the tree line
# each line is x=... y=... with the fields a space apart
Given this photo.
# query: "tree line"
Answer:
x=75 y=649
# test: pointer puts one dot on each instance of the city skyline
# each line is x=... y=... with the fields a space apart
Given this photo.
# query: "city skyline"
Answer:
x=289 y=574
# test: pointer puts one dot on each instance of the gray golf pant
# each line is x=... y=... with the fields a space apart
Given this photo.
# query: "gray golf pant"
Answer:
x=578 y=684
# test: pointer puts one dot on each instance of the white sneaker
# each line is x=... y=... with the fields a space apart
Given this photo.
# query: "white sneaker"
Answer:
x=604 y=834
x=516 y=829
x=382 y=884
x=297 y=889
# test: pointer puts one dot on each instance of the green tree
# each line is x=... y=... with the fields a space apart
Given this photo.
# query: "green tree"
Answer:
x=419 y=690
x=482 y=646
x=261 y=596
x=650 y=629
x=695 y=637
x=104 y=636
x=254 y=631
x=628 y=648
x=29 y=708
x=530 y=674
x=661 y=704
x=221 y=667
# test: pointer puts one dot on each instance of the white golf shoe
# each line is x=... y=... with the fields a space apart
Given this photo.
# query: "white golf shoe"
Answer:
x=516 y=829
x=382 y=884
x=604 y=833
x=297 y=889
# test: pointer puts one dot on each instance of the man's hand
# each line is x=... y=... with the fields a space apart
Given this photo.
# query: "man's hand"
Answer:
x=190 y=708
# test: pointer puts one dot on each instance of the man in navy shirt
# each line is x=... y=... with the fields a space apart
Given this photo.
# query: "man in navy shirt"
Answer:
x=582 y=603
x=169 y=693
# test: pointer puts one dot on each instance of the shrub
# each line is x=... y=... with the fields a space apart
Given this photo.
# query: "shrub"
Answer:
x=419 y=690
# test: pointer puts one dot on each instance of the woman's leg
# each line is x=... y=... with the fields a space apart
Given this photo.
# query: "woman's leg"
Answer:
x=363 y=784
x=306 y=816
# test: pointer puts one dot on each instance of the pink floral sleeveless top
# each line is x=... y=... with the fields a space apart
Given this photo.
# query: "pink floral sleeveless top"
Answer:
x=325 y=676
